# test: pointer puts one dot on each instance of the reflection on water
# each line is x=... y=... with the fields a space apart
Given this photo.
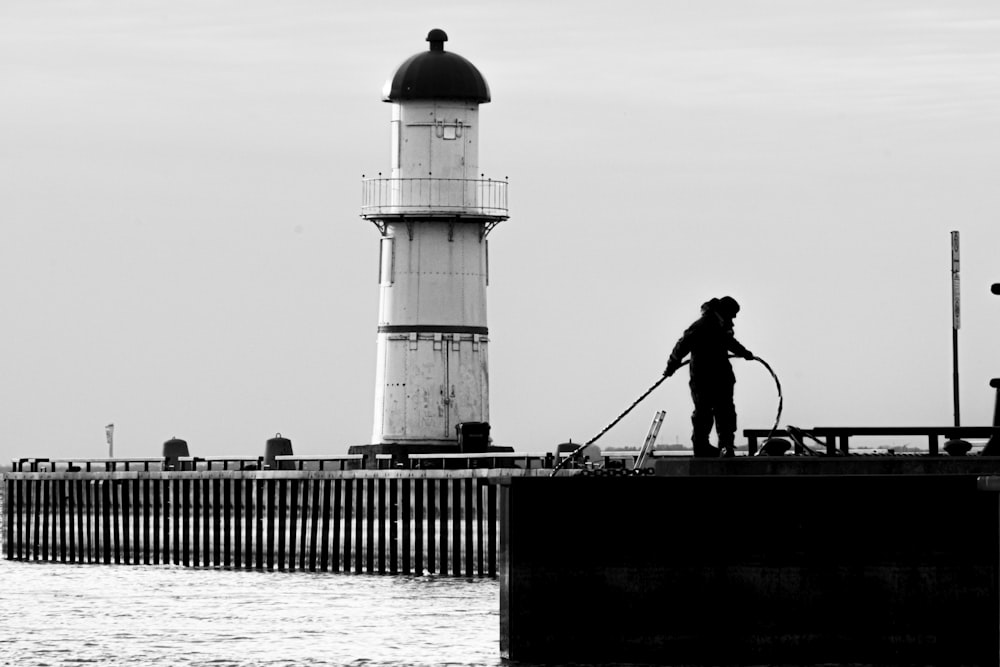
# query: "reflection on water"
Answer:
x=57 y=614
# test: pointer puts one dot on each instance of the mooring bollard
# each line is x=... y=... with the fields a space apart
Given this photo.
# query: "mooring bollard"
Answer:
x=276 y=446
x=173 y=449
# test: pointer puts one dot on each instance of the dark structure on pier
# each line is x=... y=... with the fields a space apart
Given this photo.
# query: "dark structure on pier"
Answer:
x=797 y=560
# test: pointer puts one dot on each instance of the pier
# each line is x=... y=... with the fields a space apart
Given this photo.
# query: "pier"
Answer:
x=391 y=521
x=757 y=560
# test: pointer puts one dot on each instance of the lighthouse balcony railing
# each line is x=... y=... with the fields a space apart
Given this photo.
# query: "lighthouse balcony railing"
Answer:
x=387 y=197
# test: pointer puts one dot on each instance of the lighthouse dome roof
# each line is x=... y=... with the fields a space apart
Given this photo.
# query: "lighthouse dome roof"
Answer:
x=436 y=74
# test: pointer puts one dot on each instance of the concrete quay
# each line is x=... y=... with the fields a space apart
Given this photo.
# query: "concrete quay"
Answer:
x=785 y=560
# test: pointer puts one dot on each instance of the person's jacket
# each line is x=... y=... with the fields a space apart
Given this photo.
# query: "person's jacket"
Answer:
x=709 y=341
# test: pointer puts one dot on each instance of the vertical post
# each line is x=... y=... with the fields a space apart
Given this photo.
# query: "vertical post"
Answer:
x=92 y=521
x=419 y=514
x=36 y=511
x=404 y=518
x=286 y=524
x=150 y=486
x=480 y=520
x=279 y=488
x=491 y=527
x=218 y=507
x=187 y=492
x=242 y=504
x=116 y=515
x=9 y=519
x=431 y=484
x=443 y=527
x=109 y=433
x=305 y=505
x=164 y=508
x=125 y=509
x=196 y=509
x=137 y=533
x=244 y=556
x=359 y=523
x=380 y=493
x=467 y=517
x=45 y=507
x=371 y=485
x=107 y=516
x=178 y=528
x=456 y=528
x=305 y=488
x=65 y=520
x=258 y=552
x=956 y=320
x=293 y=494
x=324 y=554
x=61 y=502
x=339 y=516
x=313 y=524
x=394 y=519
x=233 y=555
x=206 y=521
x=80 y=508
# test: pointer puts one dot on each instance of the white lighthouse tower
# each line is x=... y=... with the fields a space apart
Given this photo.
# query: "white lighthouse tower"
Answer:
x=434 y=213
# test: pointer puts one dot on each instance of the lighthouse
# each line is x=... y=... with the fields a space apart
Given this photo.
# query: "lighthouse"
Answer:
x=433 y=212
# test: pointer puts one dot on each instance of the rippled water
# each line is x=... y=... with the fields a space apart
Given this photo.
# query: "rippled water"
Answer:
x=61 y=614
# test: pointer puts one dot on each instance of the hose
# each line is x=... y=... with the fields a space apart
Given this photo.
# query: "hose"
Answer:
x=656 y=384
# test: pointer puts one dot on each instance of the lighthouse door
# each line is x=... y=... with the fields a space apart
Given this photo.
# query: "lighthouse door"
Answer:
x=427 y=395
x=467 y=385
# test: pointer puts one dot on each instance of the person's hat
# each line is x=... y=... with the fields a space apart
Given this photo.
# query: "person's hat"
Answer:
x=727 y=306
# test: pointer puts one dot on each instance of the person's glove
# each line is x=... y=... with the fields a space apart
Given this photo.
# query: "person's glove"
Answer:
x=669 y=370
x=748 y=355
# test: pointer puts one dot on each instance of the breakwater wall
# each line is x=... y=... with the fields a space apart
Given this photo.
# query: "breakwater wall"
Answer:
x=378 y=522
x=793 y=560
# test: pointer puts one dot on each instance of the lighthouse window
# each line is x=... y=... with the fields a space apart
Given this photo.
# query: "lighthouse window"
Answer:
x=386 y=262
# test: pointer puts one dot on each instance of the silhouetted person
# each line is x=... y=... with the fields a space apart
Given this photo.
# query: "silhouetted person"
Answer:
x=709 y=341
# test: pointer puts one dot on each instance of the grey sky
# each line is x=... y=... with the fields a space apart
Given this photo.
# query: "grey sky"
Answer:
x=181 y=252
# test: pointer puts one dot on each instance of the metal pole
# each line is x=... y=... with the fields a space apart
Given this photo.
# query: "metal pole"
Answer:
x=954 y=364
x=109 y=431
x=955 y=320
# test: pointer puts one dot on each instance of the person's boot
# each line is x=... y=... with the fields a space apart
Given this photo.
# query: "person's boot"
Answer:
x=705 y=451
x=727 y=452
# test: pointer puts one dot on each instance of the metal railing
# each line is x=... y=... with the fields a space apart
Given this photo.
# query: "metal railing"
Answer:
x=484 y=198
x=837 y=438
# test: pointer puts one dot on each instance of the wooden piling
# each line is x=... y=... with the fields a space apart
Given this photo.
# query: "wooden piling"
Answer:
x=114 y=491
x=358 y=523
x=220 y=510
x=430 y=563
x=46 y=497
x=379 y=522
x=314 y=520
x=339 y=512
x=79 y=486
x=370 y=523
x=442 y=485
x=206 y=521
x=406 y=521
x=151 y=521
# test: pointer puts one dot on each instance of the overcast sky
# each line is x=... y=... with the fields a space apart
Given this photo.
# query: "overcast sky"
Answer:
x=182 y=252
